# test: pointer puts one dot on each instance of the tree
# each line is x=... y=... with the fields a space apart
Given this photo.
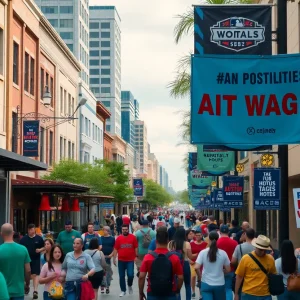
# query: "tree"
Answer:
x=156 y=195
x=103 y=178
x=183 y=197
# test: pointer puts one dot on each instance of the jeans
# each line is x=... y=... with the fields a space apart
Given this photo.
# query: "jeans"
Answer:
x=17 y=298
x=72 y=290
x=122 y=267
x=108 y=275
x=228 y=285
x=213 y=292
x=289 y=295
x=187 y=280
x=173 y=297
x=250 y=297
x=45 y=296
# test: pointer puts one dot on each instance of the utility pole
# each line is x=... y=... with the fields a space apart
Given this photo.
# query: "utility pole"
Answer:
x=283 y=150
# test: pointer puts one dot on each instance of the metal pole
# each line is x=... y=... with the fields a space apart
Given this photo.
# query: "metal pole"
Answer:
x=283 y=150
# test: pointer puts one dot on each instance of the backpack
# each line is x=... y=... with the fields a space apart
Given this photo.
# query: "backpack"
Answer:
x=146 y=238
x=161 y=277
x=56 y=290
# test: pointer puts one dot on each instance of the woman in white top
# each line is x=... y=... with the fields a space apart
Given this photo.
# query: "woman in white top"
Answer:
x=287 y=264
x=214 y=261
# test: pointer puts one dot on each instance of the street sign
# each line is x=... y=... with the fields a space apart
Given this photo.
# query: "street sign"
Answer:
x=267 y=160
x=233 y=191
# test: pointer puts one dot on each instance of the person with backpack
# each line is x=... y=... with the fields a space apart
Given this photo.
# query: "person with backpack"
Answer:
x=162 y=267
x=144 y=237
x=86 y=237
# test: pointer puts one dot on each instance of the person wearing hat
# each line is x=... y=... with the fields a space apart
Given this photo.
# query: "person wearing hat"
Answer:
x=172 y=229
x=228 y=245
x=66 y=237
x=256 y=284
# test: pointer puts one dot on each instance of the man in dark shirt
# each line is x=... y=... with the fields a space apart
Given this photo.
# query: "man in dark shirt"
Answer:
x=35 y=245
x=234 y=229
x=108 y=244
x=172 y=229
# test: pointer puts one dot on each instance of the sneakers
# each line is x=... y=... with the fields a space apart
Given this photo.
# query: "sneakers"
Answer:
x=194 y=296
x=35 y=295
x=122 y=294
x=107 y=290
x=102 y=289
x=130 y=290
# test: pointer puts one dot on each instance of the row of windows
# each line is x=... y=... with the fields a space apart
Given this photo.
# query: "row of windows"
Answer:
x=104 y=90
x=66 y=150
x=54 y=9
x=84 y=14
x=97 y=71
x=67 y=103
x=96 y=62
x=97 y=80
x=84 y=76
x=91 y=130
x=29 y=73
x=84 y=57
x=96 y=35
x=63 y=23
x=97 y=53
x=66 y=35
x=84 y=34
x=96 y=25
x=96 y=44
x=47 y=80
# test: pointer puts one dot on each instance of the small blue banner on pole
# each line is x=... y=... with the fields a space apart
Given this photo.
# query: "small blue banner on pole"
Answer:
x=218 y=198
x=233 y=191
x=31 y=138
x=267 y=189
x=138 y=187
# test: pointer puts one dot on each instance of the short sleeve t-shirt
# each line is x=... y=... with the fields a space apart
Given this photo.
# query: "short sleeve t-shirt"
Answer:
x=46 y=273
x=212 y=273
x=152 y=245
x=126 y=245
x=14 y=272
x=32 y=243
x=241 y=250
x=228 y=245
x=147 y=264
x=66 y=240
x=86 y=237
x=3 y=290
x=197 y=248
x=108 y=243
x=139 y=235
x=255 y=281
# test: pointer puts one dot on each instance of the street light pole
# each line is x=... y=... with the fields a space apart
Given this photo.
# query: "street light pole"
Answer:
x=283 y=149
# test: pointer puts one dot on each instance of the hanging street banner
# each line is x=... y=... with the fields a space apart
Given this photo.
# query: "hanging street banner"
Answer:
x=218 y=198
x=31 y=138
x=214 y=161
x=192 y=161
x=266 y=189
x=138 y=187
x=249 y=100
x=197 y=178
x=233 y=191
x=233 y=29
x=296 y=193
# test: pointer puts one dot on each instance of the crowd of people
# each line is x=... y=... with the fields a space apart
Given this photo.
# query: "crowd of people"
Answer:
x=168 y=249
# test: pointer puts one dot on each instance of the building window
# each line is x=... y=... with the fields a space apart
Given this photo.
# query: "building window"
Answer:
x=42 y=142
x=61 y=153
x=65 y=148
x=106 y=103
x=14 y=144
x=105 y=53
x=94 y=25
x=105 y=35
x=86 y=131
x=66 y=35
x=1 y=52
x=69 y=150
x=73 y=108
x=105 y=80
x=65 y=102
x=94 y=44
x=16 y=64
x=42 y=82
x=26 y=73
x=69 y=105
x=105 y=71
x=61 y=100
x=94 y=35
x=89 y=129
x=105 y=44
x=49 y=9
x=107 y=127
x=93 y=131
x=73 y=150
x=70 y=46
x=243 y=154
x=53 y=22
x=94 y=72
x=32 y=68
x=94 y=81
x=66 y=9
x=66 y=23
x=105 y=90
x=94 y=62
x=50 y=148
x=105 y=62
x=95 y=53
x=52 y=91
x=86 y=158
x=105 y=25
x=95 y=90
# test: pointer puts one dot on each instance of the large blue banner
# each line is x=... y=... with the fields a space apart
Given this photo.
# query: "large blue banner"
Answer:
x=250 y=100
x=138 y=187
x=233 y=191
x=267 y=189
x=31 y=138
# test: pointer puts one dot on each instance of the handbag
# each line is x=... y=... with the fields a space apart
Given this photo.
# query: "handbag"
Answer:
x=234 y=276
x=56 y=290
x=276 y=286
x=293 y=283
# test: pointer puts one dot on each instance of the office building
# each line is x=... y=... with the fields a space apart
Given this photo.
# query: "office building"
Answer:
x=153 y=168
x=141 y=144
x=71 y=20
x=128 y=117
x=105 y=62
x=136 y=110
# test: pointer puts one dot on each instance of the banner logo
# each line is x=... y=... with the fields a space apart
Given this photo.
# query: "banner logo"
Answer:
x=237 y=33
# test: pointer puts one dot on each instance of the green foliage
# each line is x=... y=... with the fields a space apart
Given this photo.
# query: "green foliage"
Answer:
x=183 y=197
x=108 y=178
x=156 y=195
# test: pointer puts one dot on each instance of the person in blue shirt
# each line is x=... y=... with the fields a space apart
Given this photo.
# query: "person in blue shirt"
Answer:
x=152 y=245
x=86 y=237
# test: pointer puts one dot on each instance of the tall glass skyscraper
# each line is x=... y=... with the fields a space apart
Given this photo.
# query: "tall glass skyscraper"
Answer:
x=128 y=117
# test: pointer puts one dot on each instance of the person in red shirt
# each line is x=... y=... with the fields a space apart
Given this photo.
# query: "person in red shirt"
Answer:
x=228 y=245
x=197 y=246
x=146 y=267
x=126 y=247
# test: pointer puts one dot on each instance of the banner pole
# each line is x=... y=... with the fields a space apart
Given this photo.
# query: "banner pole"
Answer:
x=283 y=149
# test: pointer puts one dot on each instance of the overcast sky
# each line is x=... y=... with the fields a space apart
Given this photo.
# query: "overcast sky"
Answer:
x=149 y=56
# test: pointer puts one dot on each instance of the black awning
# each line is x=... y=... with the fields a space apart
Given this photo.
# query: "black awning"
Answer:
x=10 y=161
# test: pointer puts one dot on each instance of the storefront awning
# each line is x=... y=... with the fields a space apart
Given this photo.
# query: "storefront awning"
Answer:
x=47 y=186
x=10 y=161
